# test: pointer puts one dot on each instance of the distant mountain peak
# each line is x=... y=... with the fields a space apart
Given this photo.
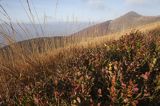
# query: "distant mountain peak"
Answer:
x=132 y=14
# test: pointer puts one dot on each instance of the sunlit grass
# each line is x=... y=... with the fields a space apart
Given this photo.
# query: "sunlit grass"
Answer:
x=34 y=78
x=120 y=68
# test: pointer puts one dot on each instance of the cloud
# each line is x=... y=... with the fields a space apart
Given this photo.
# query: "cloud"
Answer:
x=97 y=4
x=95 y=1
x=135 y=1
x=142 y=2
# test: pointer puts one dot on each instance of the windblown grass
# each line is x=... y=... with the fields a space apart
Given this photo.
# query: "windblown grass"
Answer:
x=106 y=71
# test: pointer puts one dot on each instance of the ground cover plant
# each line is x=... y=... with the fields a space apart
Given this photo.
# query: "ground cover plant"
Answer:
x=123 y=72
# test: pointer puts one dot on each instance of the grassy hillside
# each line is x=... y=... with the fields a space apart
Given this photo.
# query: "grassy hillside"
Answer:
x=99 y=29
x=122 y=71
x=119 y=24
x=124 y=22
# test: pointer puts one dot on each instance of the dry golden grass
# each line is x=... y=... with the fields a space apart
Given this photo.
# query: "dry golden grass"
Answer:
x=18 y=61
x=39 y=67
x=31 y=65
x=17 y=52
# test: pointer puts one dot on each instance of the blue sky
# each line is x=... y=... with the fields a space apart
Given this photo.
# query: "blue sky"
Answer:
x=78 y=10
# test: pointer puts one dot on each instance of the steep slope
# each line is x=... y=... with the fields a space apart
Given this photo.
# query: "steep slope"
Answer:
x=36 y=45
x=131 y=20
x=95 y=30
x=128 y=20
x=123 y=72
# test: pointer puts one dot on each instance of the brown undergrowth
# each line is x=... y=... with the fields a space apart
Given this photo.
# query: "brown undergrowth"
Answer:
x=116 y=72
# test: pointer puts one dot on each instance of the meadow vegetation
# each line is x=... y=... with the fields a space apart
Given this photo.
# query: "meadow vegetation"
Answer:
x=121 y=71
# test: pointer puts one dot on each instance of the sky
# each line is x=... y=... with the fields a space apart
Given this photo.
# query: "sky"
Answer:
x=76 y=10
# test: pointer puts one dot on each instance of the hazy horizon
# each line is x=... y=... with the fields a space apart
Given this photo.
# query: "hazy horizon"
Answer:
x=61 y=17
x=76 y=11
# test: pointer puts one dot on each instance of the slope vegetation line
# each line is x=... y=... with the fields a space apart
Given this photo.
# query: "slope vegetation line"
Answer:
x=124 y=70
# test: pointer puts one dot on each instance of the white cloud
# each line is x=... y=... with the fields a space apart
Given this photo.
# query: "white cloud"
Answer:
x=95 y=1
x=98 y=4
x=135 y=1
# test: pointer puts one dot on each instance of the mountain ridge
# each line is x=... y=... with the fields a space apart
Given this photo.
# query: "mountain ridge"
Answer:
x=121 y=23
x=129 y=20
